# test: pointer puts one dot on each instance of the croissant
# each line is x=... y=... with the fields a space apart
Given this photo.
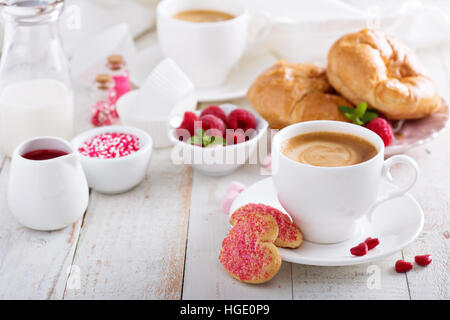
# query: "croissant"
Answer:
x=370 y=66
x=287 y=93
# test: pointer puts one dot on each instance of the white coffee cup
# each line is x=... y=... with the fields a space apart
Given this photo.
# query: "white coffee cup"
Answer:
x=206 y=51
x=328 y=203
x=47 y=194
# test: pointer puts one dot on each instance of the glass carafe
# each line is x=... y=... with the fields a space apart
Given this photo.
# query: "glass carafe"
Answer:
x=36 y=95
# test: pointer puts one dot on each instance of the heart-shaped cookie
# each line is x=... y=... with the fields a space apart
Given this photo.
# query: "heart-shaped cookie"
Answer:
x=289 y=235
x=248 y=252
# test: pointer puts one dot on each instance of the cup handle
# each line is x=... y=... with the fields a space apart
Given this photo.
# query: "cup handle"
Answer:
x=258 y=34
x=396 y=191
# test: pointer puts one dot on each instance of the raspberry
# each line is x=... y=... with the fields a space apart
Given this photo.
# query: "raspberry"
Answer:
x=188 y=122
x=235 y=136
x=359 y=250
x=215 y=111
x=241 y=119
x=382 y=128
x=372 y=242
x=214 y=124
x=423 y=260
x=403 y=266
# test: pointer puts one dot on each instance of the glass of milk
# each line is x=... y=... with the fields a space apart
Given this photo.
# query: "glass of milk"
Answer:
x=36 y=95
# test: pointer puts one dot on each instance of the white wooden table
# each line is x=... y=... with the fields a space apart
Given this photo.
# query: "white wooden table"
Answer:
x=162 y=239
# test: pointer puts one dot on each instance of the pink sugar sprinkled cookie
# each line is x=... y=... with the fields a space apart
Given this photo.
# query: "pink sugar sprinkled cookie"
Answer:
x=289 y=235
x=248 y=252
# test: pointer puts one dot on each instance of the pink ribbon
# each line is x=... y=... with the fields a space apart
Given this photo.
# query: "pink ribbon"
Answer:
x=233 y=190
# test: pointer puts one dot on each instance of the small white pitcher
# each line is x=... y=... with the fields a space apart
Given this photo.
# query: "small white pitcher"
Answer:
x=47 y=194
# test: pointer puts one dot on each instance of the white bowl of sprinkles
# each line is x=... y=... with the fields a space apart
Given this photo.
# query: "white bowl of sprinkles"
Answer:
x=114 y=158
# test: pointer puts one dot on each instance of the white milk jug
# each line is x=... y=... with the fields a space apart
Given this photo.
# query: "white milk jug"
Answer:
x=36 y=96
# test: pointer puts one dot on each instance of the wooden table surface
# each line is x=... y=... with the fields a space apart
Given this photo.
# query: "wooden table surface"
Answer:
x=162 y=239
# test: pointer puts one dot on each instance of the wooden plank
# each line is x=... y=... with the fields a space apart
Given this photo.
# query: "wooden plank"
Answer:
x=33 y=264
x=433 y=282
x=350 y=282
x=2 y=160
x=132 y=245
x=205 y=277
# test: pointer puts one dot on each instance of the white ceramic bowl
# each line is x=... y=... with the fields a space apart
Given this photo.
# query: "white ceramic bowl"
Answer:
x=214 y=161
x=119 y=174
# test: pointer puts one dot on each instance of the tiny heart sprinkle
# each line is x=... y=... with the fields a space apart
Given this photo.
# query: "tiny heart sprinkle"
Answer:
x=359 y=250
x=372 y=242
x=423 y=260
x=403 y=266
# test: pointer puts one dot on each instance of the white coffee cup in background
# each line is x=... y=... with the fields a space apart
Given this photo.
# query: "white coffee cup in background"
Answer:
x=207 y=51
x=327 y=203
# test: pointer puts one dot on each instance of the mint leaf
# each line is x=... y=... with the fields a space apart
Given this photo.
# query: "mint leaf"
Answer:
x=217 y=141
x=369 y=116
x=361 y=109
x=351 y=116
x=196 y=140
x=200 y=132
x=206 y=140
x=360 y=115
x=358 y=121
x=345 y=109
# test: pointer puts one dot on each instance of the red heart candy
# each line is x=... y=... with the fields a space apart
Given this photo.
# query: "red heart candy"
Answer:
x=359 y=250
x=372 y=242
x=403 y=266
x=423 y=260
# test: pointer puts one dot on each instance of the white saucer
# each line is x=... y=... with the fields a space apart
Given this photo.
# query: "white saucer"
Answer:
x=239 y=80
x=396 y=223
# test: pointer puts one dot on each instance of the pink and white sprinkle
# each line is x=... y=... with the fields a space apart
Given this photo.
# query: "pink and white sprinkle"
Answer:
x=110 y=145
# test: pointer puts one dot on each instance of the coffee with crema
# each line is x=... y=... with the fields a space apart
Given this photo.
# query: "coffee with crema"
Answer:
x=328 y=149
x=203 y=16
